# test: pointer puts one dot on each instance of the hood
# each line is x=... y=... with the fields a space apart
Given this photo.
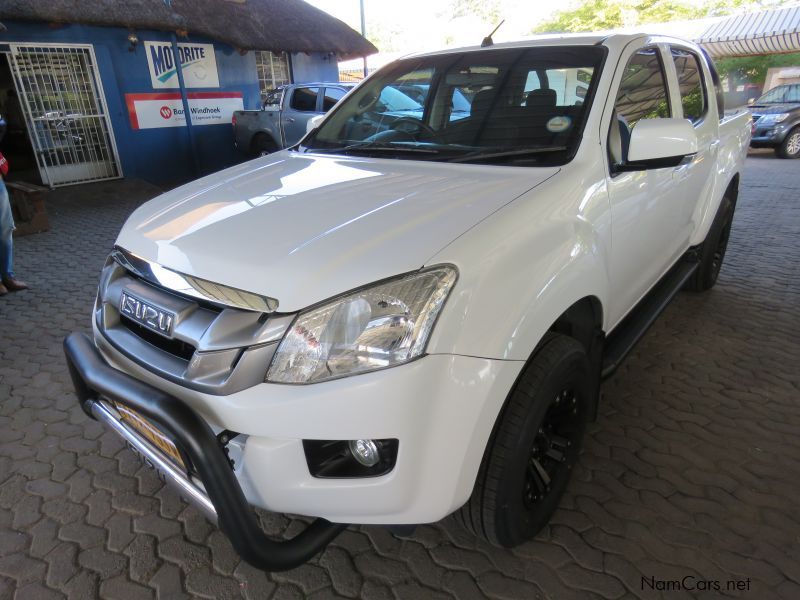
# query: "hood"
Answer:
x=772 y=109
x=303 y=228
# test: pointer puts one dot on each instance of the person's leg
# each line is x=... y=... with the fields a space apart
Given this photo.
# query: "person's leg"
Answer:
x=6 y=238
x=9 y=282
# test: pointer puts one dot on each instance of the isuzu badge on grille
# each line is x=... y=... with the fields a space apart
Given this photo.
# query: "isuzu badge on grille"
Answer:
x=145 y=314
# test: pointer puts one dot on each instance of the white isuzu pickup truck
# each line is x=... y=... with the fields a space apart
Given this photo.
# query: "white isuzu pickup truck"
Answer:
x=410 y=314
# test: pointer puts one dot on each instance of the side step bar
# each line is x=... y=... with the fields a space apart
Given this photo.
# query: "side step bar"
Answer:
x=625 y=336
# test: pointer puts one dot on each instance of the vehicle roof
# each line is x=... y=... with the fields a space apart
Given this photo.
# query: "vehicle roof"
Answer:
x=609 y=39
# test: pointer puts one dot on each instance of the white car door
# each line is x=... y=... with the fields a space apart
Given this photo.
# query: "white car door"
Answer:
x=695 y=177
x=648 y=212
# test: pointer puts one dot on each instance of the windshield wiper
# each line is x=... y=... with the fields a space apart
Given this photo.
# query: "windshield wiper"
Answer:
x=519 y=152
x=373 y=147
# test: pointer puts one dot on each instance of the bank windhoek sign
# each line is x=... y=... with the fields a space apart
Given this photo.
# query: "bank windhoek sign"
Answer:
x=165 y=109
x=197 y=61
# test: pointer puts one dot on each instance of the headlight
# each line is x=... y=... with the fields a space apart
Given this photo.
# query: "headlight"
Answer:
x=778 y=118
x=383 y=325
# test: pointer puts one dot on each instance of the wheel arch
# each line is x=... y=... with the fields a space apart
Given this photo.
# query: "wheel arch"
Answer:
x=264 y=136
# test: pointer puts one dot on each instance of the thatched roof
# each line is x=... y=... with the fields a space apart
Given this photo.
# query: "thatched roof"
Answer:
x=278 y=25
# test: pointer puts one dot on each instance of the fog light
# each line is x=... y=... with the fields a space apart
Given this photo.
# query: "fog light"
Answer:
x=365 y=452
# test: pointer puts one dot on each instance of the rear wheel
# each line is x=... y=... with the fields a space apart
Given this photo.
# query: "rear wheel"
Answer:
x=712 y=250
x=536 y=441
x=263 y=145
x=790 y=148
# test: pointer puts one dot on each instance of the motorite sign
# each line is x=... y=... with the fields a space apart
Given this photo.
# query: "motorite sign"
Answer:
x=151 y=111
x=198 y=63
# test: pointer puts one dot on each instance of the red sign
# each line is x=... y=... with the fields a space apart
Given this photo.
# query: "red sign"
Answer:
x=166 y=109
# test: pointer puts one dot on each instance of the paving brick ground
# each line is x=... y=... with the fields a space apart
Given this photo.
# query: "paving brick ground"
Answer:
x=693 y=467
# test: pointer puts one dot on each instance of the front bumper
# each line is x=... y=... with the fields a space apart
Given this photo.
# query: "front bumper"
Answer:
x=441 y=408
x=770 y=135
x=219 y=496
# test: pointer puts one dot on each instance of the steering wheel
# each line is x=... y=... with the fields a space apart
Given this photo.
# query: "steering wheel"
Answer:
x=419 y=124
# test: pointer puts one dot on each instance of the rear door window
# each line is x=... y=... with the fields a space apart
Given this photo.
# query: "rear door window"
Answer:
x=690 y=82
x=332 y=96
x=305 y=99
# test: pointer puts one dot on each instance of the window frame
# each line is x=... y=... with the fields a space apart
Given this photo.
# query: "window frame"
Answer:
x=316 y=100
x=719 y=93
x=324 y=94
x=657 y=48
x=703 y=83
x=268 y=59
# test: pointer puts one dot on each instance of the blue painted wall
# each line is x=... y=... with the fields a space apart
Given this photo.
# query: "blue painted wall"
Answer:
x=307 y=68
x=163 y=156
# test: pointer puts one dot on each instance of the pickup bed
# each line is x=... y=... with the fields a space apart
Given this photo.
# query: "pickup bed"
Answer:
x=284 y=116
x=410 y=313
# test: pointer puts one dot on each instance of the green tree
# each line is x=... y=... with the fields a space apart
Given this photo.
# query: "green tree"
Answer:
x=752 y=69
x=596 y=15
x=488 y=11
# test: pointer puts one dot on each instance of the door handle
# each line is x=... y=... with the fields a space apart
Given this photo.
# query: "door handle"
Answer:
x=681 y=172
x=289 y=120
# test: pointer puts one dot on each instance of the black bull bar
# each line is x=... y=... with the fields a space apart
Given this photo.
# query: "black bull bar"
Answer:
x=94 y=379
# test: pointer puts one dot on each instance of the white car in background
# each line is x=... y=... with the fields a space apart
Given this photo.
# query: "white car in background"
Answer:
x=409 y=315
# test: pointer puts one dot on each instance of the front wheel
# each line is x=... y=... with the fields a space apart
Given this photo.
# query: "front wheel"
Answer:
x=534 y=446
x=790 y=148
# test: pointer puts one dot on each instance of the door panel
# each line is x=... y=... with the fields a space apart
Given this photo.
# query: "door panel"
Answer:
x=62 y=99
x=298 y=110
x=646 y=223
x=697 y=179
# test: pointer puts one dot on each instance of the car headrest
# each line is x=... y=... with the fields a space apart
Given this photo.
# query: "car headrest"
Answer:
x=544 y=98
x=482 y=102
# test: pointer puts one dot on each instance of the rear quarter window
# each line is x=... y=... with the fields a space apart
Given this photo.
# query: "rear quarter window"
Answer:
x=690 y=83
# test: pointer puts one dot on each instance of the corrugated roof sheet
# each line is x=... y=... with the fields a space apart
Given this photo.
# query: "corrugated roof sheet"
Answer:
x=771 y=31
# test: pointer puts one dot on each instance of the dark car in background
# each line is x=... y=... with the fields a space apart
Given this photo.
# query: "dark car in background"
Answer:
x=776 y=121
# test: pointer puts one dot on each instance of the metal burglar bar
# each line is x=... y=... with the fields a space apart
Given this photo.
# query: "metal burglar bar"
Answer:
x=65 y=111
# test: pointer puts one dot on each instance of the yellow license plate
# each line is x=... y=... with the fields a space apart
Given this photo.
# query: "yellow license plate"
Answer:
x=149 y=432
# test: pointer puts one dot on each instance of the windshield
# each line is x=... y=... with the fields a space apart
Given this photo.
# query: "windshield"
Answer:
x=781 y=94
x=513 y=106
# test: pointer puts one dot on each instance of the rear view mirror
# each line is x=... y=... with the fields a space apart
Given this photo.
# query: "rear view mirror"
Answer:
x=314 y=122
x=659 y=143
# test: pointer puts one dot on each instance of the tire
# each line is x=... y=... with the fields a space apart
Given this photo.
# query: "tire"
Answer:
x=539 y=430
x=790 y=148
x=263 y=145
x=712 y=250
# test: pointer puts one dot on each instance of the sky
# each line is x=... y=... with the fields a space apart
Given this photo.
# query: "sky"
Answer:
x=418 y=25
x=408 y=26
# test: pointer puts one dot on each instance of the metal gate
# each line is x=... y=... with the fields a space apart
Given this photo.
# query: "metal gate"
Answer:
x=65 y=110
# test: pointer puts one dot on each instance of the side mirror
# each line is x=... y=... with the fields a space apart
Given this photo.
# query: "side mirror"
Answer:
x=659 y=143
x=751 y=101
x=313 y=123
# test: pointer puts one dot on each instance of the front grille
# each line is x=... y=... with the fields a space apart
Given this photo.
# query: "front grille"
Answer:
x=172 y=346
x=211 y=349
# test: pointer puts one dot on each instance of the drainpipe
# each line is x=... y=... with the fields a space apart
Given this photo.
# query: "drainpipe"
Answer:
x=185 y=99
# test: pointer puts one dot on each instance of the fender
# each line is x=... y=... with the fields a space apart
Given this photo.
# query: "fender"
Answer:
x=266 y=133
x=554 y=253
x=734 y=142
